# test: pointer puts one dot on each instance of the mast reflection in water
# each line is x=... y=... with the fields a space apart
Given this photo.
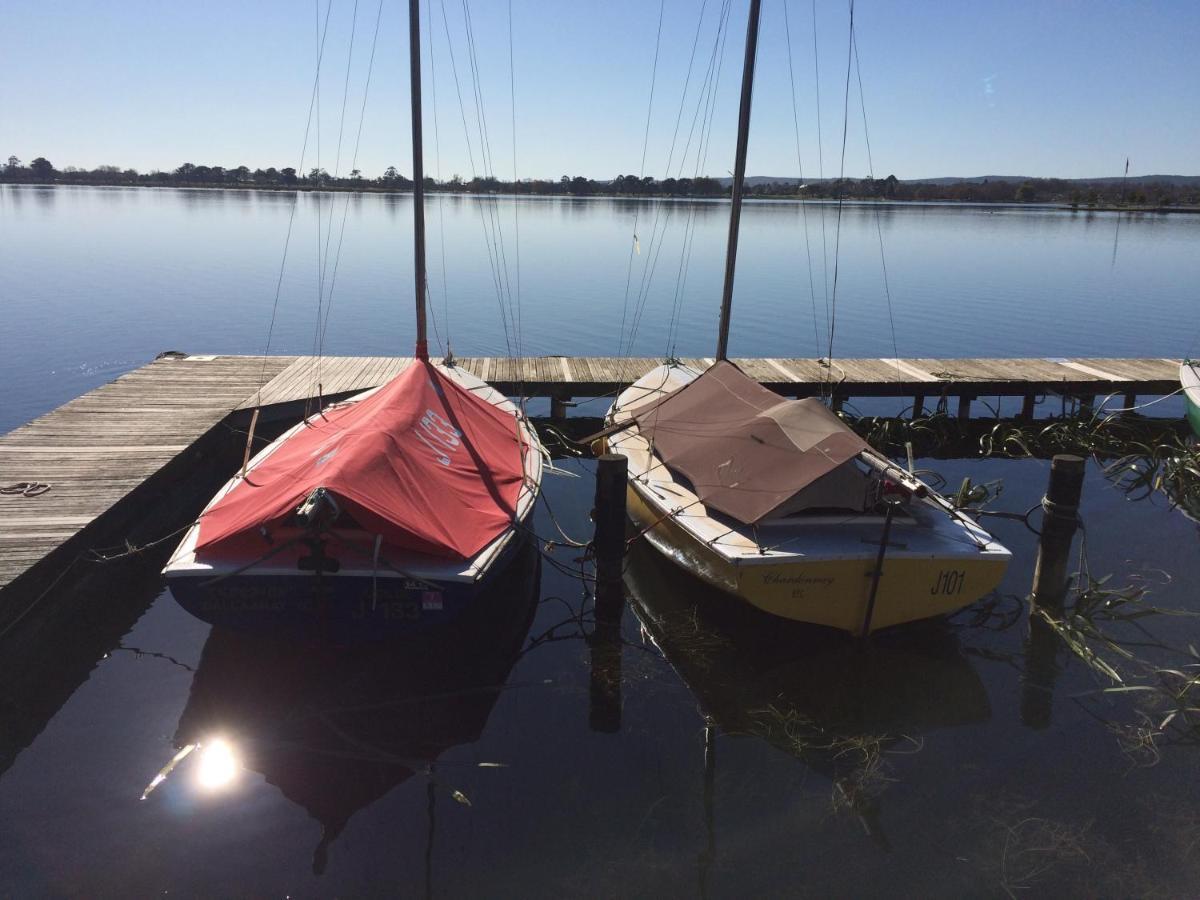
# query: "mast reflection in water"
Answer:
x=336 y=728
x=835 y=704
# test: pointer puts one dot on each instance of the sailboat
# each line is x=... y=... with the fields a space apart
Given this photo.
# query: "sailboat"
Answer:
x=777 y=501
x=386 y=513
x=1189 y=380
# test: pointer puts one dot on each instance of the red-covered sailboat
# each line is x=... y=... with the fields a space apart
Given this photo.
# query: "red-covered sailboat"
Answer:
x=382 y=514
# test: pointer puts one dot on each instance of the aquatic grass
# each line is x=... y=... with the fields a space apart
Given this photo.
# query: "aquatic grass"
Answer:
x=1140 y=455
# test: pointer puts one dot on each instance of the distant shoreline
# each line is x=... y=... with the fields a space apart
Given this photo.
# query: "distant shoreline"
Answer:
x=613 y=195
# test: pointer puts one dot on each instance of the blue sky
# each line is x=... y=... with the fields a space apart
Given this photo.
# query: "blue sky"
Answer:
x=956 y=88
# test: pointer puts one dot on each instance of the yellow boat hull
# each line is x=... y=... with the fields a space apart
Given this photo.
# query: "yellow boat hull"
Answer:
x=832 y=592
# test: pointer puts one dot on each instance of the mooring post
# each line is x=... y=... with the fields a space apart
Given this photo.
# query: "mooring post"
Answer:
x=1051 y=576
x=1027 y=405
x=608 y=542
x=918 y=409
x=964 y=407
x=604 y=684
x=558 y=406
x=1040 y=672
x=608 y=547
x=1061 y=519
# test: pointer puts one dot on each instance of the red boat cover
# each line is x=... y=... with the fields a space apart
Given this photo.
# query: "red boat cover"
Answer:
x=423 y=462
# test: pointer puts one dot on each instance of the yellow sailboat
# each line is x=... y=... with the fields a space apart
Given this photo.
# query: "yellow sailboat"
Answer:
x=777 y=501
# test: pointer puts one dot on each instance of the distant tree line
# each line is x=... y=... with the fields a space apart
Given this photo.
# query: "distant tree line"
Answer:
x=1035 y=190
x=1075 y=193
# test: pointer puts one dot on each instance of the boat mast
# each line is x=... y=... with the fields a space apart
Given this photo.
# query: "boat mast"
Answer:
x=414 y=56
x=739 y=176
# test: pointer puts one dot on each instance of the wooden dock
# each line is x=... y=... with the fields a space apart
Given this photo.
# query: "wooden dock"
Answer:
x=562 y=378
x=110 y=452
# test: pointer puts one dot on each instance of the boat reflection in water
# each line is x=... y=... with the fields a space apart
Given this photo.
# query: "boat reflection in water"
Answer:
x=336 y=728
x=837 y=705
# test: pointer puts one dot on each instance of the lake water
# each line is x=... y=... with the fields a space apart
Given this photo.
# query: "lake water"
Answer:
x=708 y=756
x=97 y=281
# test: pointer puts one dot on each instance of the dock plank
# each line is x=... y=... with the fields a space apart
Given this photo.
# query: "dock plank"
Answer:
x=96 y=450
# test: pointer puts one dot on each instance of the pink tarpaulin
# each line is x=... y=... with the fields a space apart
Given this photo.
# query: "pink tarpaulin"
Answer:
x=423 y=462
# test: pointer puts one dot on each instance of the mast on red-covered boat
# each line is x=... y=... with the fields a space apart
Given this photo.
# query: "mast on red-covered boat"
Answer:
x=739 y=176
x=414 y=56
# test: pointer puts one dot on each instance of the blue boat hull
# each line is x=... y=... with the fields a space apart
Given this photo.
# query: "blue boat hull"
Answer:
x=336 y=607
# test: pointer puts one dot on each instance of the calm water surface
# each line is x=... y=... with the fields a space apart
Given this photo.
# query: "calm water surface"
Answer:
x=710 y=755
x=97 y=281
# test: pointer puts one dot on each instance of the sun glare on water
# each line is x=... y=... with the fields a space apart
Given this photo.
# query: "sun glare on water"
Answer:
x=218 y=765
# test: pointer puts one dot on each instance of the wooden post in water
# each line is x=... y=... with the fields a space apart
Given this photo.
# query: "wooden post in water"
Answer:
x=918 y=407
x=608 y=542
x=964 y=407
x=1061 y=505
x=1051 y=577
x=608 y=545
x=558 y=406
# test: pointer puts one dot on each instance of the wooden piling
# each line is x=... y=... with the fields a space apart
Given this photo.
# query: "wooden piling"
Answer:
x=558 y=406
x=964 y=407
x=608 y=546
x=1027 y=404
x=1061 y=504
x=608 y=542
x=918 y=408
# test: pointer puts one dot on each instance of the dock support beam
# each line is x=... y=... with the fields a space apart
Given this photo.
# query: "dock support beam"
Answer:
x=918 y=408
x=964 y=407
x=1061 y=505
x=608 y=546
x=1027 y=405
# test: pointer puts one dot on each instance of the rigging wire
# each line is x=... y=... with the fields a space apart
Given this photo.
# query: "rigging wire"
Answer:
x=493 y=207
x=648 y=269
x=323 y=266
x=812 y=290
x=704 y=101
x=512 y=94
x=317 y=170
x=703 y=144
x=633 y=245
x=487 y=224
x=820 y=160
x=262 y=377
x=437 y=150
x=878 y=225
x=516 y=207
x=353 y=166
x=837 y=242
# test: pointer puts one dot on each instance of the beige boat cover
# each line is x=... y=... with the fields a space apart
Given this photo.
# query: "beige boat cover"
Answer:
x=745 y=449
